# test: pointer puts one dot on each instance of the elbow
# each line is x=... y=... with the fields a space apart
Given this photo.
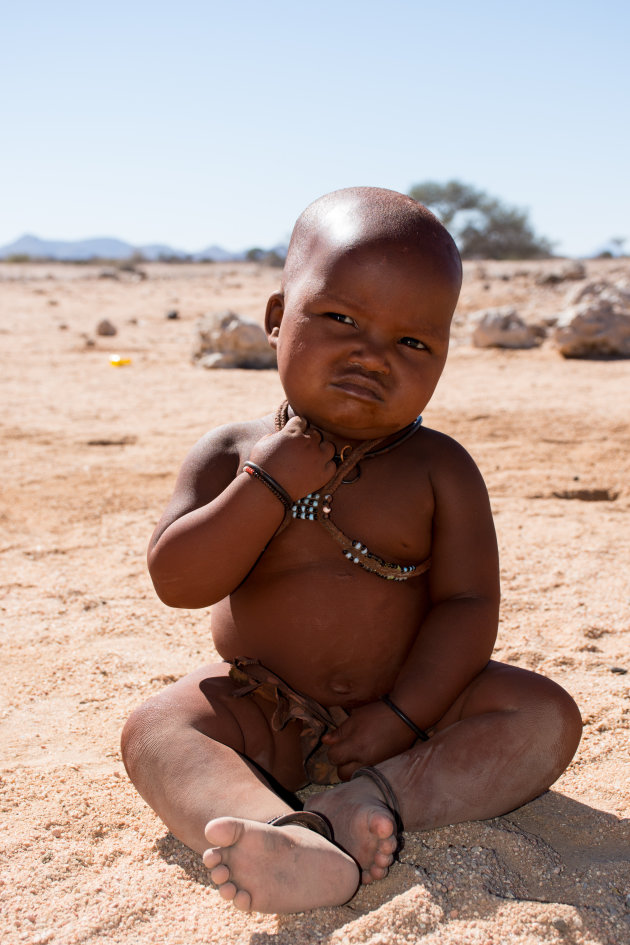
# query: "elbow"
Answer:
x=175 y=592
x=171 y=591
x=168 y=593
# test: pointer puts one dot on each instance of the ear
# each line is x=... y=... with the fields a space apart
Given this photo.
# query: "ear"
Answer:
x=273 y=318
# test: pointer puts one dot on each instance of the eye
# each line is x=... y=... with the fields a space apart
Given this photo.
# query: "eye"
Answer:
x=342 y=319
x=414 y=343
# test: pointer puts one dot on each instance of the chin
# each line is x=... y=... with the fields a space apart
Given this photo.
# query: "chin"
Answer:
x=343 y=426
x=350 y=417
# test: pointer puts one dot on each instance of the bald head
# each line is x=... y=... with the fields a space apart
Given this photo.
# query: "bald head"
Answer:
x=357 y=217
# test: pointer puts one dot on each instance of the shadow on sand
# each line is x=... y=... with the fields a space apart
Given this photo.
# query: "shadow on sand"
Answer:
x=553 y=851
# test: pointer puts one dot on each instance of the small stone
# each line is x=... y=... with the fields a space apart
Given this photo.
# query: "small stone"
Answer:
x=228 y=340
x=504 y=328
x=570 y=270
x=620 y=670
x=596 y=323
x=42 y=938
x=172 y=315
x=105 y=327
x=57 y=832
x=560 y=925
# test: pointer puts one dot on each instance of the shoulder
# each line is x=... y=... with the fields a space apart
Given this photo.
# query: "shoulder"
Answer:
x=214 y=460
x=211 y=464
x=229 y=441
x=448 y=464
x=439 y=449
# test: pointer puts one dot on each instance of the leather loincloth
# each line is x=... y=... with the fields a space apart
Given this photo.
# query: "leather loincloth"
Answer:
x=290 y=704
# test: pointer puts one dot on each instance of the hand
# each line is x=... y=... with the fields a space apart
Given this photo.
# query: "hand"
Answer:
x=371 y=734
x=298 y=457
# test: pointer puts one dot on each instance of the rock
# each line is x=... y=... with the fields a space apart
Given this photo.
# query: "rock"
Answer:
x=573 y=269
x=105 y=327
x=504 y=328
x=615 y=293
x=596 y=324
x=172 y=315
x=586 y=495
x=228 y=340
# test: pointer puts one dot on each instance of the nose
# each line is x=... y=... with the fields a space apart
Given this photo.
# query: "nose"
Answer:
x=370 y=354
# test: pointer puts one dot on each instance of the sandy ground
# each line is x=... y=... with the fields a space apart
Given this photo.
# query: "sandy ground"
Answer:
x=88 y=461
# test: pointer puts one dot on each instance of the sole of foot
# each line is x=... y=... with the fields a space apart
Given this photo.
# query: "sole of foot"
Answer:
x=262 y=868
x=362 y=824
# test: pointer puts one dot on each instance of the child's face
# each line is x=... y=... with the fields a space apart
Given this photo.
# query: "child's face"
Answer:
x=362 y=337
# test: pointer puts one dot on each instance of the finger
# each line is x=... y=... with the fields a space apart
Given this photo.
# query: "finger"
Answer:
x=342 y=754
x=346 y=771
x=296 y=423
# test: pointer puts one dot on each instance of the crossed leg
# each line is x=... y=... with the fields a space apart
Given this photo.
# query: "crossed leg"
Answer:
x=198 y=757
x=505 y=740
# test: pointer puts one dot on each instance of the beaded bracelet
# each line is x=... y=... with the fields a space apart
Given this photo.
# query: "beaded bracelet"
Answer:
x=253 y=469
x=405 y=718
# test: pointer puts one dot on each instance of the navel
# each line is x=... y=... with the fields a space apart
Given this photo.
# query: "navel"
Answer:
x=341 y=686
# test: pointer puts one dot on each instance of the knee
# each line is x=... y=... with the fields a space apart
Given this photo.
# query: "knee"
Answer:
x=565 y=722
x=555 y=726
x=139 y=737
x=550 y=719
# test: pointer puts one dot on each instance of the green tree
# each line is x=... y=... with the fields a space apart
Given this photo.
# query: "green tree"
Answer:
x=481 y=225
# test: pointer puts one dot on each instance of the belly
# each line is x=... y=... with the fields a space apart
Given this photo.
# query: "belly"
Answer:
x=336 y=633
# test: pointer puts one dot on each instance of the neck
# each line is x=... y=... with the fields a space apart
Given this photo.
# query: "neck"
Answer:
x=346 y=445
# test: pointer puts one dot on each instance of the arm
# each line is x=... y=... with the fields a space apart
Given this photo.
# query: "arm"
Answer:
x=457 y=636
x=220 y=520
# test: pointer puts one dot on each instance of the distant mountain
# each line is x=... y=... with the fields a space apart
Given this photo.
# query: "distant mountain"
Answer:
x=106 y=248
x=29 y=245
x=218 y=254
x=160 y=251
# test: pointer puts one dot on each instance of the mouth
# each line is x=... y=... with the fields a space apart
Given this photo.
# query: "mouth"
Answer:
x=358 y=385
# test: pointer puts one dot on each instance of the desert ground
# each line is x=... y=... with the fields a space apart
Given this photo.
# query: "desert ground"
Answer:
x=90 y=453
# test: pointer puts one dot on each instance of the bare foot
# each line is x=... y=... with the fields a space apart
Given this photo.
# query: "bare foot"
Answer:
x=362 y=824
x=277 y=869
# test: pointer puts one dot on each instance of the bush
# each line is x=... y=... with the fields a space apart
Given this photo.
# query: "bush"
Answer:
x=482 y=226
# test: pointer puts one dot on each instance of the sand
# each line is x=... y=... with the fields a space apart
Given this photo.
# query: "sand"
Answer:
x=88 y=461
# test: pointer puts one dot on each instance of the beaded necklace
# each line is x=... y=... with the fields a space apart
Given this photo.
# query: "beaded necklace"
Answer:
x=317 y=506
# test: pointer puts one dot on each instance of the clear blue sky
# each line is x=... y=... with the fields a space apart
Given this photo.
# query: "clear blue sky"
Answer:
x=199 y=122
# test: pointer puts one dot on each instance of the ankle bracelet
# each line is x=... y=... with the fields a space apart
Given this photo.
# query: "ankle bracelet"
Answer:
x=405 y=718
x=253 y=469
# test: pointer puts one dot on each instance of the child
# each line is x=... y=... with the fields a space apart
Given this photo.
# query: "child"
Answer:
x=350 y=556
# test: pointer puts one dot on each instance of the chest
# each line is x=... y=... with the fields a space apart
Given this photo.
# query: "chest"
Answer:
x=378 y=516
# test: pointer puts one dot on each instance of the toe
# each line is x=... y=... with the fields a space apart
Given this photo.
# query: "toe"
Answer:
x=382 y=826
x=223 y=832
x=211 y=858
x=220 y=875
x=228 y=891
x=383 y=860
x=242 y=900
x=389 y=845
